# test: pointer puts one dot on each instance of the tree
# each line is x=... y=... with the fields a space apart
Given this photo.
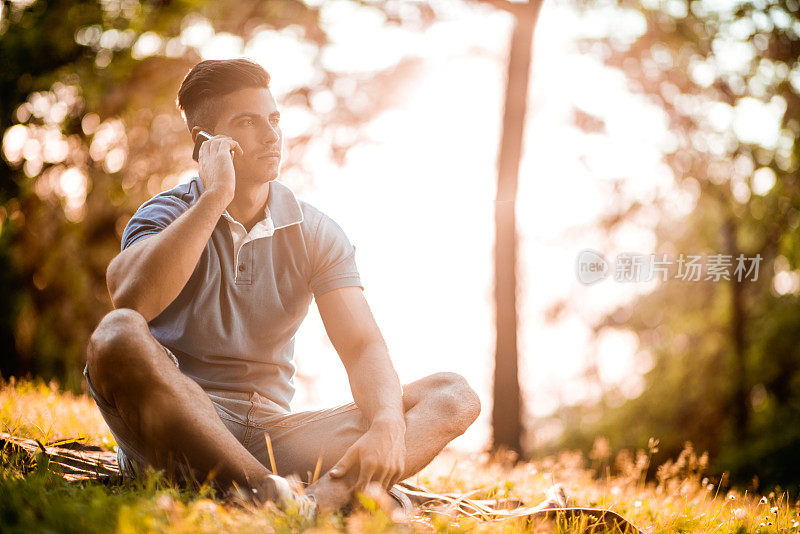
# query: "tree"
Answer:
x=507 y=407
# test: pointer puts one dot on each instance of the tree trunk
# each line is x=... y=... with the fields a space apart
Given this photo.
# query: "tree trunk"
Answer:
x=739 y=411
x=507 y=409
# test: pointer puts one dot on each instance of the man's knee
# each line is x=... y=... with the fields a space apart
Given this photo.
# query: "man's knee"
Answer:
x=455 y=400
x=115 y=344
x=118 y=332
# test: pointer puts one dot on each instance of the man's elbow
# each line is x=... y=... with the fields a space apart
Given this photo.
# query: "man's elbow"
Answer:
x=115 y=284
x=121 y=290
x=122 y=297
x=129 y=300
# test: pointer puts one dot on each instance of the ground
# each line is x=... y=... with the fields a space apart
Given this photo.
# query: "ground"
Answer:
x=32 y=499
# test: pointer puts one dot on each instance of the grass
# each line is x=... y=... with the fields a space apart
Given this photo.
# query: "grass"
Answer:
x=33 y=499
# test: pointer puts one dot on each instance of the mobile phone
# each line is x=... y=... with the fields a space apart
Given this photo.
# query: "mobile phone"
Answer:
x=201 y=138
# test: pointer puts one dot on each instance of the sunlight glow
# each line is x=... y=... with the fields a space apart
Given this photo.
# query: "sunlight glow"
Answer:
x=148 y=44
x=289 y=61
x=756 y=122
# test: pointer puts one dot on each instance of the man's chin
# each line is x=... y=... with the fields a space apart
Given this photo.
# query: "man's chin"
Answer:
x=260 y=174
x=267 y=176
x=272 y=172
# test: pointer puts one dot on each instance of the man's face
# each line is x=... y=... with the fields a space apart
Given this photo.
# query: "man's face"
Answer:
x=250 y=116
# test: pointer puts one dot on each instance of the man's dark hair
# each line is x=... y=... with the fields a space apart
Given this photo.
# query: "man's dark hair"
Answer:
x=201 y=92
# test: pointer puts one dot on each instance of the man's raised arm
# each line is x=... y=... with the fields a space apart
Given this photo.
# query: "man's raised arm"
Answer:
x=149 y=275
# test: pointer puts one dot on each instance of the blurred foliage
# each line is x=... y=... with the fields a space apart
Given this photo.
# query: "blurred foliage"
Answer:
x=723 y=357
x=90 y=130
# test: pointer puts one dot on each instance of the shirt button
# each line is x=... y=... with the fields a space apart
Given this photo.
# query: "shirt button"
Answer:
x=242 y=268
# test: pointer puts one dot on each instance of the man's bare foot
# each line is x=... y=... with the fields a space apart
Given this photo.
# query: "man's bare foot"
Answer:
x=286 y=493
x=331 y=494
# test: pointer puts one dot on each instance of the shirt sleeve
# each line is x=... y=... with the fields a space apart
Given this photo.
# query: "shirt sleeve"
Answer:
x=333 y=263
x=152 y=217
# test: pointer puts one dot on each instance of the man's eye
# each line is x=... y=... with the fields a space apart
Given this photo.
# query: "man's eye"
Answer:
x=275 y=120
x=248 y=122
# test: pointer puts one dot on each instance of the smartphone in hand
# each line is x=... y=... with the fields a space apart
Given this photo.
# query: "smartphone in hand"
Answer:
x=201 y=138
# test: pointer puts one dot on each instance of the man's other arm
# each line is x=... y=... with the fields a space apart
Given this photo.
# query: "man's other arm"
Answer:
x=380 y=454
x=148 y=275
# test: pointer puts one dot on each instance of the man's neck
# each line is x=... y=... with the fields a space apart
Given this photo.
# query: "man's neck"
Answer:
x=248 y=203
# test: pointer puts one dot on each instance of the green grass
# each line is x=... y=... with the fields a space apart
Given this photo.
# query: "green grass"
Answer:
x=33 y=499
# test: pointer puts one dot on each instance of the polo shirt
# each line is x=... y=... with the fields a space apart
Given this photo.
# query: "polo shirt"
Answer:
x=233 y=324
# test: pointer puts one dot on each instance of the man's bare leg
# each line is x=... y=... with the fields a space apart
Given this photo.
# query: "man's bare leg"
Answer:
x=438 y=408
x=171 y=415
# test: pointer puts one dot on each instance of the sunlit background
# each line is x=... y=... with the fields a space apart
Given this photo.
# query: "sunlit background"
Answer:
x=392 y=115
x=418 y=202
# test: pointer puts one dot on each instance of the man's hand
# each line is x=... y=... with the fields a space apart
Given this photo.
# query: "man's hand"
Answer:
x=378 y=456
x=216 y=166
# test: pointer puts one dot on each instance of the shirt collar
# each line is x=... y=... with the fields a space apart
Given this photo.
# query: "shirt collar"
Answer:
x=282 y=205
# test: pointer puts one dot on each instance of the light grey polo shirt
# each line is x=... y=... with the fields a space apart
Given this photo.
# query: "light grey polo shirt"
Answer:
x=233 y=324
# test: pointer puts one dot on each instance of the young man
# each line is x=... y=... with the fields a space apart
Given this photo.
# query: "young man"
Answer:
x=193 y=370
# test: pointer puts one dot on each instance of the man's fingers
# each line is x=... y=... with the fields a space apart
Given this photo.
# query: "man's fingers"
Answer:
x=380 y=476
x=386 y=479
x=223 y=143
x=205 y=147
x=396 y=478
x=366 y=472
x=365 y=476
x=391 y=477
x=398 y=475
x=343 y=465
x=231 y=145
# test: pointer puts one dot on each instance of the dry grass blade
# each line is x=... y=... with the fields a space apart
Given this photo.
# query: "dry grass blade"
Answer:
x=317 y=470
x=272 y=464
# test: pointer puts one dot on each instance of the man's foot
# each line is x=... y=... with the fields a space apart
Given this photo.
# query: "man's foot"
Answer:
x=290 y=496
x=331 y=494
x=286 y=494
x=334 y=495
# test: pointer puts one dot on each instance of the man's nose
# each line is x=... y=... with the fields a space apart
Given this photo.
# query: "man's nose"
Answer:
x=271 y=135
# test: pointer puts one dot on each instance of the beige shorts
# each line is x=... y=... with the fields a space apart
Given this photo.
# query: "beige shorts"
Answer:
x=298 y=440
